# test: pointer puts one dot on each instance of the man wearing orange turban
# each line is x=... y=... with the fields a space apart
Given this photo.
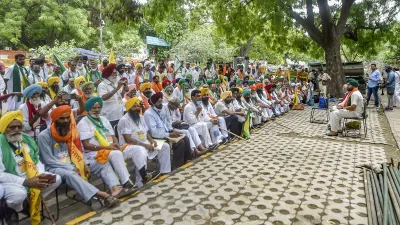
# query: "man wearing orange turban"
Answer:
x=61 y=152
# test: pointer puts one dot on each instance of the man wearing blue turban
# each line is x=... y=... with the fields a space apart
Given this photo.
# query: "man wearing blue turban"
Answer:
x=30 y=110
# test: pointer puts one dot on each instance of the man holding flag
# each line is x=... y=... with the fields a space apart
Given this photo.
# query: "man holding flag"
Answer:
x=21 y=172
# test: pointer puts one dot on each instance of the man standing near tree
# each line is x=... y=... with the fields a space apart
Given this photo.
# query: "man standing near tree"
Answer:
x=323 y=82
x=373 y=81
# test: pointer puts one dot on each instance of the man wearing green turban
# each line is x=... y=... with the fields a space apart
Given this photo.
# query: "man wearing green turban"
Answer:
x=256 y=113
x=209 y=81
x=351 y=107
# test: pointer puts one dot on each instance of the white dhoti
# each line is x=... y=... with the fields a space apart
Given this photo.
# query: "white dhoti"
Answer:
x=256 y=119
x=111 y=169
x=222 y=124
x=336 y=117
x=15 y=194
x=200 y=128
x=216 y=135
x=396 y=96
x=164 y=158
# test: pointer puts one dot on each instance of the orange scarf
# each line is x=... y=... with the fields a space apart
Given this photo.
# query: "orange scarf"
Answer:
x=137 y=80
x=346 y=103
x=269 y=95
x=157 y=87
x=84 y=99
x=146 y=103
x=74 y=145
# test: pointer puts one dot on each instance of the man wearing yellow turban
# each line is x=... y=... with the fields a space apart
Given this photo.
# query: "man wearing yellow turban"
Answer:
x=145 y=93
x=54 y=87
x=133 y=130
x=224 y=108
x=19 y=152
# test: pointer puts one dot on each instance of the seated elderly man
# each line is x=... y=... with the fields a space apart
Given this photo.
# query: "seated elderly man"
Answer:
x=159 y=127
x=101 y=146
x=351 y=107
x=261 y=101
x=216 y=120
x=174 y=116
x=268 y=98
x=133 y=130
x=237 y=103
x=196 y=116
x=30 y=110
x=257 y=114
x=61 y=152
x=145 y=94
x=224 y=108
x=20 y=169
x=282 y=105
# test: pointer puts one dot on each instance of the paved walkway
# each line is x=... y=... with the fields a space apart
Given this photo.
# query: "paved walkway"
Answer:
x=393 y=119
x=290 y=173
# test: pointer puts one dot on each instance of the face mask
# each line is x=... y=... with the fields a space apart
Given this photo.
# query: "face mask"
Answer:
x=34 y=101
x=198 y=102
x=112 y=79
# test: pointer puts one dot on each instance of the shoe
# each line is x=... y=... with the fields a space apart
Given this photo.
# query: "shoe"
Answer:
x=332 y=134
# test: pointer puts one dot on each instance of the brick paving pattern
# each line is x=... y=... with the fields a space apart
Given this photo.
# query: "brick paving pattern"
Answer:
x=290 y=173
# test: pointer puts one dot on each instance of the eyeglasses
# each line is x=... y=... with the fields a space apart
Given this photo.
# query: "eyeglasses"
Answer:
x=15 y=127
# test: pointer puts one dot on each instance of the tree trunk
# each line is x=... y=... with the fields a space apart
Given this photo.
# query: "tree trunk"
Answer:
x=244 y=49
x=334 y=67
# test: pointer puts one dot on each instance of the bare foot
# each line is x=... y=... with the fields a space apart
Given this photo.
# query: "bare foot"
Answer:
x=115 y=190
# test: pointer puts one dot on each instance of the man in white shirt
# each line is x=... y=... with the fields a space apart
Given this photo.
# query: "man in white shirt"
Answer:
x=35 y=75
x=112 y=93
x=132 y=129
x=30 y=110
x=101 y=145
x=224 y=108
x=70 y=86
x=196 y=116
x=351 y=107
x=70 y=73
x=215 y=119
x=174 y=115
x=16 y=79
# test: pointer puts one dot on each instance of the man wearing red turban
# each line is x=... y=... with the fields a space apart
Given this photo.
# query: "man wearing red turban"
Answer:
x=112 y=93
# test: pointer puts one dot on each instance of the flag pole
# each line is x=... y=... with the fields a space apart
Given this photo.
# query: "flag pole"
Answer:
x=232 y=133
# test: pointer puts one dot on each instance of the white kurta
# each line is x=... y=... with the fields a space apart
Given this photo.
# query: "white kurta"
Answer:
x=112 y=108
x=12 y=102
x=138 y=132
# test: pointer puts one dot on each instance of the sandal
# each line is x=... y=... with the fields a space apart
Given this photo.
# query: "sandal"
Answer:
x=125 y=192
x=128 y=185
x=110 y=201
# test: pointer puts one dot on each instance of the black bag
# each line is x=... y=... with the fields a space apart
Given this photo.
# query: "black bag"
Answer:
x=390 y=91
x=182 y=126
x=324 y=82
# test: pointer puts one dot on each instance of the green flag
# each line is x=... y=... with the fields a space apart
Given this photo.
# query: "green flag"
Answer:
x=177 y=64
x=246 y=126
x=59 y=63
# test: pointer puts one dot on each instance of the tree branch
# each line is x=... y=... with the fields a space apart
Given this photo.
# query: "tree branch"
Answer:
x=344 y=15
x=310 y=12
x=311 y=29
x=325 y=12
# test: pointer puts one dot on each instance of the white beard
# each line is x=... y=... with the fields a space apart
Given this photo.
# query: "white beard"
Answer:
x=96 y=116
x=14 y=137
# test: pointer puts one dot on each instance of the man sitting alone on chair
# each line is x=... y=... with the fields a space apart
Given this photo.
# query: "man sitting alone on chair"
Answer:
x=352 y=107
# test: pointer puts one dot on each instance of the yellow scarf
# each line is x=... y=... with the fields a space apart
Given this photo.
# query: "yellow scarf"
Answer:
x=34 y=193
x=52 y=93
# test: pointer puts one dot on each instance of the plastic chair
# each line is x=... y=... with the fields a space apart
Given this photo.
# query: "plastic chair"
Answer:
x=314 y=108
